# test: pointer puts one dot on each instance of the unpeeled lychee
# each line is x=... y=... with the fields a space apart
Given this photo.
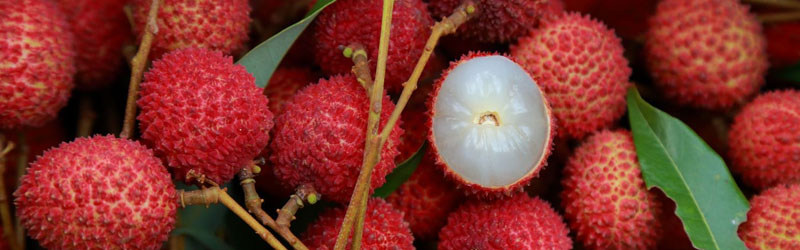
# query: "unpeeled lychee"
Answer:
x=706 y=53
x=319 y=138
x=578 y=62
x=415 y=126
x=284 y=83
x=346 y=22
x=384 y=228
x=499 y=21
x=604 y=196
x=201 y=112
x=772 y=222
x=764 y=142
x=36 y=62
x=490 y=126
x=518 y=222
x=97 y=193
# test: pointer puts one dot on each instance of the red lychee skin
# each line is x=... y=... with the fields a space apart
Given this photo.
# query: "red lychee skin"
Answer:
x=764 y=141
x=319 y=138
x=706 y=53
x=498 y=21
x=384 y=228
x=782 y=40
x=604 y=197
x=284 y=83
x=473 y=189
x=100 y=30
x=772 y=220
x=99 y=192
x=518 y=222
x=426 y=199
x=336 y=28
x=36 y=51
x=415 y=126
x=201 y=112
x=221 y=25
x=578 y=62
x=628 y=18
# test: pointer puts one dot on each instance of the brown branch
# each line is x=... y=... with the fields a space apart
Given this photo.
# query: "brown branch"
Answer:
x=779 y=17
x=137 y=67
x=5 y=211
x=360 y=65
x=86 y=117
x=304 y=193
x=789 y=4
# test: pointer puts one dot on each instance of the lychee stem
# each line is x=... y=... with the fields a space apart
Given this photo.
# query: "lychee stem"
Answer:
x=779 y=17
x=360 y=66
x=137 y=67
x=5 y=211
x=776 y=3
x=304 y=193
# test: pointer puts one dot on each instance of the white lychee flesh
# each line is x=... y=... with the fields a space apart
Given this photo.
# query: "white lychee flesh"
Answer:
x=491 y=124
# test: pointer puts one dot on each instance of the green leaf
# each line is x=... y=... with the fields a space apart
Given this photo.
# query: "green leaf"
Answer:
x=677 y=161
x=202 y=239
x=790 y=73
x=262 y=60
x=400 y=174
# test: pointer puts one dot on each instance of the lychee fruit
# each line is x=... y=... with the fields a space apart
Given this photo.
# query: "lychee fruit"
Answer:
x=220 y=25
x=319 y=138
x=707 y=54
x=426 y=199
x=284 y=83
x=359 y=21
x=100 y=29
x=764 y=142
x=578 y=62
x=99 y=192
x=36 y=62
x=201 y=112
x=604 y=197
x=384 y=228
x=500 y=21
x=415 y=126
x=490 y=125
x=518 y=222
x=772 y=220
x=782 y=40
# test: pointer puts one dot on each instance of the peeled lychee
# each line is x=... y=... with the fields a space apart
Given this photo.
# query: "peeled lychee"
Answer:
x=384 y=228
x=426 y=199
x=359 y=21
x=772 y=222
x=499 y=21
x=319 y=138
x=201 y=112
x=490 y=126
x=706 y=53
x=97 y=193
x=220 y=25
x=578 y=62
x=518 y=222
x=284 y=83
x=36 y=62
x=604 y=196
x=764 y=142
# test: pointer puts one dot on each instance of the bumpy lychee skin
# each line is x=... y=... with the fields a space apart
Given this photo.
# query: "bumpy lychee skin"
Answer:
x=491 y=129
x=319 y=138
x=772 y=220
x=335 y=28
x=764 y=141
x=384 y=228
x=706 y=53
x=201 y=112
x=499 y=21
x=220 y=25
x=782 y=39
x=426 y=199
x=604 y=196
x=284 y=83
x=100 y=30
x=97 y=193
x=518 y=222
x=578 y=62
x=36 y=62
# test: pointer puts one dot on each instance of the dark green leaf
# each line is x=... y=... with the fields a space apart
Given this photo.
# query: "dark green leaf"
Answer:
x=674 y=159
x=262 y=60
x=199 y=238
x=790 y=73
x=400 y=174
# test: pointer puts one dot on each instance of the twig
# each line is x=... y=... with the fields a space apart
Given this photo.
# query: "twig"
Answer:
x=86 y=117
x=137 y=67
x=776 y=3
x=5 y=211
x=304 y=193
x=779 y=17
x=360 y=65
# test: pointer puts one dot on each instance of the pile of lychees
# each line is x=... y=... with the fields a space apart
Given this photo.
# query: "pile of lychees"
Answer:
x=520 y=138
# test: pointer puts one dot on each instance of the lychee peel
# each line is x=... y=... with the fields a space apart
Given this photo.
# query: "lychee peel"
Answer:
x=201 y=112
x=499 y=21
x=491 y=129
x=36 y=62
x=772 y=220
x=99 y=192
x=578 y=62
x=518 y=222
x=708 y=54
x=284 y=83
x=319 y=138
x=604 y=197
x=764 y=141
x=384 y=228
